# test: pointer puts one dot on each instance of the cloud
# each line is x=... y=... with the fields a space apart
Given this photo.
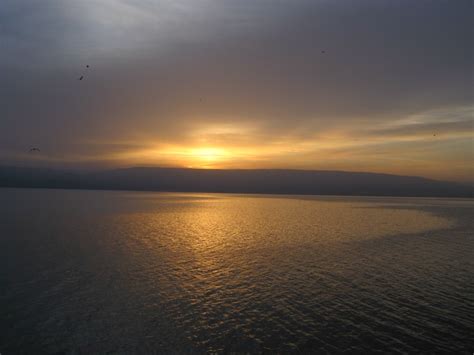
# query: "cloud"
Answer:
x=457 y=121
x=239 y=74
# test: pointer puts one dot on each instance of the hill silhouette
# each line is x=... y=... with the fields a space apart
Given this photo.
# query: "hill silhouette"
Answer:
x=269 y=181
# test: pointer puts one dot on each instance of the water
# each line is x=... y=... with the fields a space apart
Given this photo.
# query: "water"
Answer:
x=127 y=272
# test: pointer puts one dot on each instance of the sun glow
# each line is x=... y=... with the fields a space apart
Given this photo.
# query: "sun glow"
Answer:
x=196 y=157
x=208 y=154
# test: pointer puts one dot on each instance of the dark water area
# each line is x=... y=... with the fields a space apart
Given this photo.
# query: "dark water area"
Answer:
x=95 y=272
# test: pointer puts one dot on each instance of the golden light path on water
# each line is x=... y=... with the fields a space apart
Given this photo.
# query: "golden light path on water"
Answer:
x=214 y=221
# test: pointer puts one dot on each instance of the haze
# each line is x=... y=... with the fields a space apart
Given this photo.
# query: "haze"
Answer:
x=376 y=86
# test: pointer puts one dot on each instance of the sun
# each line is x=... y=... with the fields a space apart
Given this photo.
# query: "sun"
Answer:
x=208 y=154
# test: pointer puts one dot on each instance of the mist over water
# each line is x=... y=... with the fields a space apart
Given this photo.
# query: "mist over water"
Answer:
x=128 y=272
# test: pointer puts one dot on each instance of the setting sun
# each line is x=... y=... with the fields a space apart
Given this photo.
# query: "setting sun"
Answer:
x=208 y=154
x=195 y=157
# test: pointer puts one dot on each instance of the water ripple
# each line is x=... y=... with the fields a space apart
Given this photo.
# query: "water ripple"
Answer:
x=178 y=273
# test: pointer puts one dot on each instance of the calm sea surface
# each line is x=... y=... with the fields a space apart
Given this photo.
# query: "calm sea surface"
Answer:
x=129 y=272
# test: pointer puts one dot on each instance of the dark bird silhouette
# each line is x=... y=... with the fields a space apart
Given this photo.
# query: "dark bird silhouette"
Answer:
x=434 y=135
x=32 y=150
x=82 y=77
x=87 y=66
x=323 y=52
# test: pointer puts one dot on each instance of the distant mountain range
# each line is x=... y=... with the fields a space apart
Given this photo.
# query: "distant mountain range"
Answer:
x=269 y=181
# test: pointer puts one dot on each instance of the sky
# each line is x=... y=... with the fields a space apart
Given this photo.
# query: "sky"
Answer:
x=369 y=85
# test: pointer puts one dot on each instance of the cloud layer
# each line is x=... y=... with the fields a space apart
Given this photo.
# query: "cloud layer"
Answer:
x=368 y=85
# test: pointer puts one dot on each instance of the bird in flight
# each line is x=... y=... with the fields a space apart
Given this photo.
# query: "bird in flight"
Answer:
x=82 y=76
x=32 y=150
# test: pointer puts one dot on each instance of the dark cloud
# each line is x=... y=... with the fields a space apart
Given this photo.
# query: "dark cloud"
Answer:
x=163 y=70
